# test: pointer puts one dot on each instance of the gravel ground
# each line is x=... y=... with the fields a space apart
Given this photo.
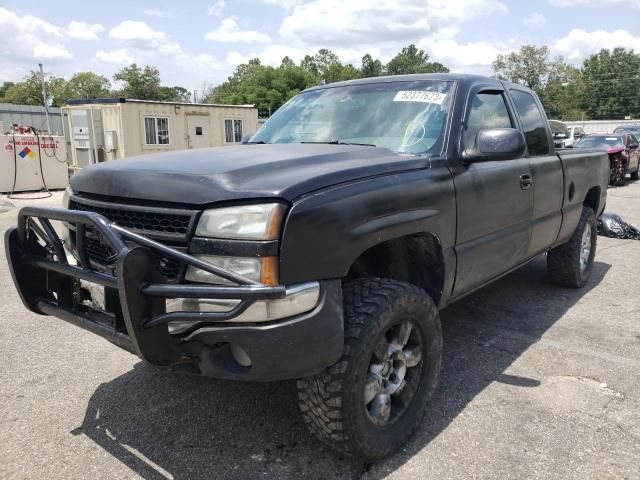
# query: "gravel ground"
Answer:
x=538 y=382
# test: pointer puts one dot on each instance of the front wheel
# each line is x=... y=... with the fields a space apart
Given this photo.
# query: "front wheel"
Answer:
x=636 y=175
x=570 y=264
x=371 y=400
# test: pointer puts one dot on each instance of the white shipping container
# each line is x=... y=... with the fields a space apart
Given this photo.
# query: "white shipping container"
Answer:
x=33 y=163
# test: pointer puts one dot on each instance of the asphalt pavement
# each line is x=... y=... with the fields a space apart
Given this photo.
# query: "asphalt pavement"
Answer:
x=538 y=382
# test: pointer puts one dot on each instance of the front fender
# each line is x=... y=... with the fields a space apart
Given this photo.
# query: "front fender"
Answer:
x=325 y=232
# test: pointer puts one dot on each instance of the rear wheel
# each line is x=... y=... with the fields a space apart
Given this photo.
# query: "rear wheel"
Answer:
x=570 y=265
x=369 y=402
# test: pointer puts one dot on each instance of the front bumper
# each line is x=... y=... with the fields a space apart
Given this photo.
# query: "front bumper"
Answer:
x=135 y=316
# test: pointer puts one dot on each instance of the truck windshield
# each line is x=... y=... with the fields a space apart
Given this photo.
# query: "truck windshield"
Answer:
x=405 y=117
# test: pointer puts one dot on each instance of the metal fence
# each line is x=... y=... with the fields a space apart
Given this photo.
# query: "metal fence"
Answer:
x=601 y=126
x=31 y=115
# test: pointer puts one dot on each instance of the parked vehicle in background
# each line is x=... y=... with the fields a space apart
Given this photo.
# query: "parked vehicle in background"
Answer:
x=576 y=133
x=565 y=136
x=624 y=154
x=633 y=129
x=323 y=249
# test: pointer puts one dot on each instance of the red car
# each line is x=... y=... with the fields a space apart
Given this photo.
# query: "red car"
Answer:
x=624 y=154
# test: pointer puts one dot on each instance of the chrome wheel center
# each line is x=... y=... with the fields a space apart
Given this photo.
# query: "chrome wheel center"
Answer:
x=585 y=248
x=394 y=372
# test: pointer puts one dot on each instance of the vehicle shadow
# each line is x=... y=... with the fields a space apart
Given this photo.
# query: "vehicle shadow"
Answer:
x=169 y=425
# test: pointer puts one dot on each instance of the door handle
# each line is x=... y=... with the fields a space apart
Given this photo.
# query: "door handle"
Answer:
x=526 y=181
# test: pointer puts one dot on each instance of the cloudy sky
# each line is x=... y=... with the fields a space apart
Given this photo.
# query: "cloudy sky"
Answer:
x=192 y=42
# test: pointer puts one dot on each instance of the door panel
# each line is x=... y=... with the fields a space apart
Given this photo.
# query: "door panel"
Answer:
x=494 y=220
x=198 y=131
x=548 y=188
x=546 y=171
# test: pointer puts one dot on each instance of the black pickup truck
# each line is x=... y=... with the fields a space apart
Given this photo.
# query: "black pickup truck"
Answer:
x=323 y=249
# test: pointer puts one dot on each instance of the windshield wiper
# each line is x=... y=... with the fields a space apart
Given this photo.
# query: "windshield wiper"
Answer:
x=259 y=142
x=341 y=142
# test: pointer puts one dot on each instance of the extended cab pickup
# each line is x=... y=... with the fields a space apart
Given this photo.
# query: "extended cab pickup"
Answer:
x=324 y=248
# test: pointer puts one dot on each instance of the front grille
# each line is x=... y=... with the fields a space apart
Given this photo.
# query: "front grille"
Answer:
x=158 y=224
x=143 y=221
x=102 y=254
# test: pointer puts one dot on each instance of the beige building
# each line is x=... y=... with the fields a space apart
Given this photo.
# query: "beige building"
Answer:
x=103 y=129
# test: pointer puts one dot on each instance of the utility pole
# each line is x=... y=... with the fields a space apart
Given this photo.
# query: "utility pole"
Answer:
x=195 y=95
x=44 y=98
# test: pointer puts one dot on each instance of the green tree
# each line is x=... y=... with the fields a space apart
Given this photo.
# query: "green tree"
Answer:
x=264 y=86
x=371 y=67
x=558 y=84
x=87 y=85
x=4 y=87
x=174 y=94
x=412 y=60
x=287 y=62
x=326 y=65
x=140 y=83
x=562 y=95
x=529 y=67
x=612 y=84
x=29 y=91
x=338 y=72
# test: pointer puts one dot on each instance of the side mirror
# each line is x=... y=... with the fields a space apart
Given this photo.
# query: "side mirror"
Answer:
x=246 y=138
x=633 y=146
x=496 y=144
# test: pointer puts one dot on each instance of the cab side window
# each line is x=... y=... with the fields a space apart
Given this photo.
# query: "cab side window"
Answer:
x=488 y=110
x=533 y=123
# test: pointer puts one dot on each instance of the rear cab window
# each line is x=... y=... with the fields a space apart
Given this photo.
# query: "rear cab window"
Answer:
x=533 y=123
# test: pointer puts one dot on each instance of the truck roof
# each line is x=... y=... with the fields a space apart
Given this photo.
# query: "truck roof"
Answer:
x=459 y=77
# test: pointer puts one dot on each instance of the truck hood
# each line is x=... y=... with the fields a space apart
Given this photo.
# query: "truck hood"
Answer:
x=211 y=175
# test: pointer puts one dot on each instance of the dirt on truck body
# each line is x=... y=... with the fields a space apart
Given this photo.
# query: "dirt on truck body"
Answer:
x=323 y=249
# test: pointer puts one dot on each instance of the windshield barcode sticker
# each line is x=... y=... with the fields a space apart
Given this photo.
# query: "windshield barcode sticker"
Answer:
x=419 y=96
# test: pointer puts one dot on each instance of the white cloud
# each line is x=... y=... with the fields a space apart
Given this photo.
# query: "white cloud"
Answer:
x=236 y=58
x=536 y=19
x=472 y=57
x=286 y=4
x=157 y=13
x=140 y=36
x=83 y=31
x=137 y=34
x=363 y=22
x=217 y=8
x=45 y=51
x=579 y=44
x=594 y=3
x=208 y=61
x=26 y=39
x=120 y=56
x=230 y=32
x=28 y=23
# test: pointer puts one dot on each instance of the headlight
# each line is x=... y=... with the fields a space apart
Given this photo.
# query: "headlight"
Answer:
x=244 y=222
x=260 y=269
x=249 y=267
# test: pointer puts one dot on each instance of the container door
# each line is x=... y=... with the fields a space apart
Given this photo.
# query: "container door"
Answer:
x=27 y=162
x=198 y=134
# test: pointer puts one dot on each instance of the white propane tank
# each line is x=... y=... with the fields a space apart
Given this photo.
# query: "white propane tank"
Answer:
x=33 y=162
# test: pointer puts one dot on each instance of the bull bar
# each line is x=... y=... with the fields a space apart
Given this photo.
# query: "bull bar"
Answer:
x=47 y=282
